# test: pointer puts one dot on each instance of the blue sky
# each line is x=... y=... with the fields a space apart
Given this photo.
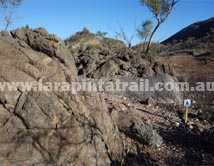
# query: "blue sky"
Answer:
x=65 y=17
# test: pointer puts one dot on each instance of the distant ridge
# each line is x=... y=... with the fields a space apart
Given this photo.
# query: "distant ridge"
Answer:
x=197 y=30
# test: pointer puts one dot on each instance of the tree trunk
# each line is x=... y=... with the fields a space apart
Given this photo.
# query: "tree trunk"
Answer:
x=150 y=38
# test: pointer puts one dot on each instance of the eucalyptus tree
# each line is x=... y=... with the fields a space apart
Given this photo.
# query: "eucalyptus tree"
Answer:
x=160 y=9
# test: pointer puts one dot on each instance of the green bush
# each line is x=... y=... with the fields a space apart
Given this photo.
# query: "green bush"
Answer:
x=84 y=34
x=190 y=41
x=93 y=46
x=74 y=50
x=206 y=62
x=110 y=41
x=206 y=113
x=101 y=35
x=153 y=53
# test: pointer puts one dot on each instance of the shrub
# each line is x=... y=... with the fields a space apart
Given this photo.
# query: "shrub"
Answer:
x=93 y=46
x=110 y=41
x=101 y=35
x=207 y=113
x=206 y=62
x=150 y=136
x=190 y=41
x=84 y=34
x=153 y=53
x=74 y=50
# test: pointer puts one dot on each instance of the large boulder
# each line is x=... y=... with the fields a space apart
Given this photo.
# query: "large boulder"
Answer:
x=52 y=127
x=39 y=40
x=135 y=128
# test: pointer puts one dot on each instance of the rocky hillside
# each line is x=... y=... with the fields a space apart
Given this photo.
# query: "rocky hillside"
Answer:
x=61 y=128
x=197 y=30
x=105 y=57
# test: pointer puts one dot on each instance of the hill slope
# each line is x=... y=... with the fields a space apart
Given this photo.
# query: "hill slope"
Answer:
x=197 y=30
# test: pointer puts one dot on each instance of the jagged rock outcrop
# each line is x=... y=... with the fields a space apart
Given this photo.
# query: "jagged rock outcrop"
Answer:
x=126 y=64
x=52 y=127
x=106 y=57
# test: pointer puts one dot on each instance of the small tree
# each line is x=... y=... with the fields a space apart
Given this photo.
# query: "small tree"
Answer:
x=160 y=9
x=101 y=35
x=7 y=7
x=144 y=31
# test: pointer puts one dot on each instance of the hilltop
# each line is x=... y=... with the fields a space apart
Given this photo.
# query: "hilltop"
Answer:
x=197 y=30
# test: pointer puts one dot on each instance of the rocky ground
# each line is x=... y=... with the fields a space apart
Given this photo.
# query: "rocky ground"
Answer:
x=182 y=144
x=93 y=128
